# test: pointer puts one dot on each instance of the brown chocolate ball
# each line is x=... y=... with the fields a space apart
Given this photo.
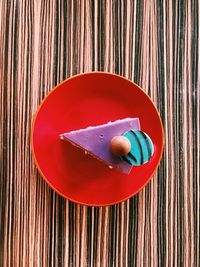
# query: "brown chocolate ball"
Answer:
x=120 y=146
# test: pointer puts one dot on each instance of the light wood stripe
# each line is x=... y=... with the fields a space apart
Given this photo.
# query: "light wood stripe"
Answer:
x=153 y=43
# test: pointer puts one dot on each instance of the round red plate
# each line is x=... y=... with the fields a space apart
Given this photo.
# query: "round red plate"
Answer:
x=88 y=100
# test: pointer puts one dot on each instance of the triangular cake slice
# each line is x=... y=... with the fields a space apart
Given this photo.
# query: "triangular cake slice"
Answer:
x=96 y=140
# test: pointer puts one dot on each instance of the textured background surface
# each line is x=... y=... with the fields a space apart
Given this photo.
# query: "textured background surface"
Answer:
x=155 y=44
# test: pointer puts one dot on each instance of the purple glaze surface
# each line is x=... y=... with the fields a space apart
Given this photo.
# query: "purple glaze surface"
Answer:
x=96 y=140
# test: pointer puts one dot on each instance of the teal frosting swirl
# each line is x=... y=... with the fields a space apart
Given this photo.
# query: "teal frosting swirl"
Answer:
x=141 y=148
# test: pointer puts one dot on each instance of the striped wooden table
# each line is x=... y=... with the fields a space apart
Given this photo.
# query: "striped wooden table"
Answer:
x=155 y=44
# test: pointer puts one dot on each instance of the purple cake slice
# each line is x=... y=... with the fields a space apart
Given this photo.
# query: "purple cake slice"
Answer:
x=96 y=141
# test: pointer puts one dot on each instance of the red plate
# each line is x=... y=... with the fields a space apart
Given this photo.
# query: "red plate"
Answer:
x=88 y=100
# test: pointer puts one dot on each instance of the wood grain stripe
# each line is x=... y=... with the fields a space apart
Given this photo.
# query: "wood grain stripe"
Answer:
x=155 y=44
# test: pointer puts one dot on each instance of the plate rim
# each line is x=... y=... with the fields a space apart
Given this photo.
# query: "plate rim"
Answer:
x=38 y=166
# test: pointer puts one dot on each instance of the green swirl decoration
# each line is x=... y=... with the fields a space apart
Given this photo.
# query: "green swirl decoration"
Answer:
x=141 y=148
